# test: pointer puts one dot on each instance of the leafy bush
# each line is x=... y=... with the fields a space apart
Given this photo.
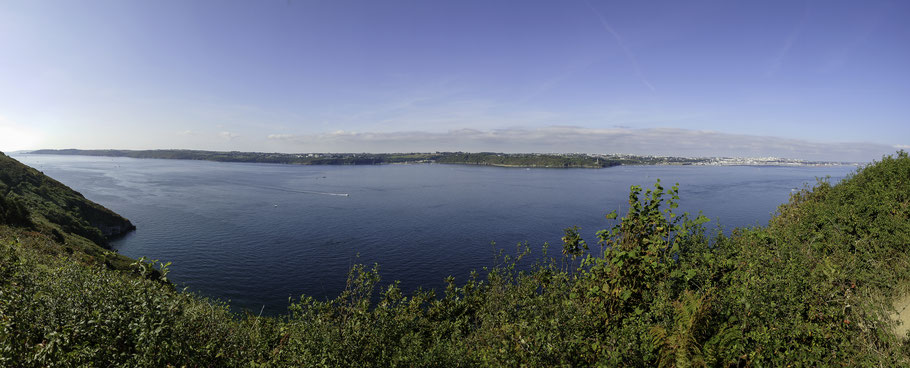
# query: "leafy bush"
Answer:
x=13 y=212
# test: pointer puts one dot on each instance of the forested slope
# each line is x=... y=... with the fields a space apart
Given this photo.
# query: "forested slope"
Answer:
x=31 y=200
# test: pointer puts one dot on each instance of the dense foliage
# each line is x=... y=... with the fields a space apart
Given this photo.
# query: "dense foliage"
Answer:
x=14 y=212
x=813 y=288
x=543 y=160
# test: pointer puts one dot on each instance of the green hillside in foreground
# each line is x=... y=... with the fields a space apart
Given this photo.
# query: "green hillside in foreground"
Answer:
x=817 y=286
x=31 y=200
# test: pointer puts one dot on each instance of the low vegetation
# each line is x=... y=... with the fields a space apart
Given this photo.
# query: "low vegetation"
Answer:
x=813 y=288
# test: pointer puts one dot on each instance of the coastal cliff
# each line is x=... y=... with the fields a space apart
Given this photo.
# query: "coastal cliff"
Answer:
x=56 y=206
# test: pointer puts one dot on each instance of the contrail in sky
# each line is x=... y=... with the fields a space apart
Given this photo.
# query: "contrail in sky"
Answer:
x=778 y=60
x=622 y=45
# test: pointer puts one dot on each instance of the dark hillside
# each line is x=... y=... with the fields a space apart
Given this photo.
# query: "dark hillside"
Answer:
x=30 y=199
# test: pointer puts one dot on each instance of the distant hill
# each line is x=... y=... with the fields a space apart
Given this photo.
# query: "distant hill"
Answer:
x=529 y=160
x=522 y=160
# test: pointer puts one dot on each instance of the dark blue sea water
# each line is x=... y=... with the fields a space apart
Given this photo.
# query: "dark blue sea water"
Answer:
x=257 y=234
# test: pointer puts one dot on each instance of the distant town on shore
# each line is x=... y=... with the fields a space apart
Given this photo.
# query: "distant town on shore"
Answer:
x=524 y=160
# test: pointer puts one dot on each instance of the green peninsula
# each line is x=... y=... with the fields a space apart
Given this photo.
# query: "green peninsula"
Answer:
x=535 y=160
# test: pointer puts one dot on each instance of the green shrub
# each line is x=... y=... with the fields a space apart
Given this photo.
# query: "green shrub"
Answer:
x=14 y=212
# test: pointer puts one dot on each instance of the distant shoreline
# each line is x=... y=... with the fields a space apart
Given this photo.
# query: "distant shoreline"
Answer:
x=507 y=160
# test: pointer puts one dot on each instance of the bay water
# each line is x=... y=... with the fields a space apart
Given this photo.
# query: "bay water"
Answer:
x=257 y=235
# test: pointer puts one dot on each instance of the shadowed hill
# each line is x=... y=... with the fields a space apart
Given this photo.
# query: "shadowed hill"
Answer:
x=32 y=200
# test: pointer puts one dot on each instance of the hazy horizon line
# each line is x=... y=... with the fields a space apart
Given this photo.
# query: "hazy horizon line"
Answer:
x=31 y=151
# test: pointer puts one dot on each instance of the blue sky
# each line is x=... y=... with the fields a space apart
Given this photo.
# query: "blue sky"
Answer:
x=818 y=80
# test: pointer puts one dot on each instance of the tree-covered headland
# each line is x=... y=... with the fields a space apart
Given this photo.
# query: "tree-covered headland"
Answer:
x=31 y=200
x=537 y=160
x=817 y=286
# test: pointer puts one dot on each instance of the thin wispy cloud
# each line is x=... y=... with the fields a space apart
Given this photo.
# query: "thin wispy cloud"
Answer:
x=228 y=135
x=548 y=84
x=778 y=61
x=622 y=45
x=658 y=141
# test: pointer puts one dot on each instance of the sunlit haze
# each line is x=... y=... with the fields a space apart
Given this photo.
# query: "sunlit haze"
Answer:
x=813 y=80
